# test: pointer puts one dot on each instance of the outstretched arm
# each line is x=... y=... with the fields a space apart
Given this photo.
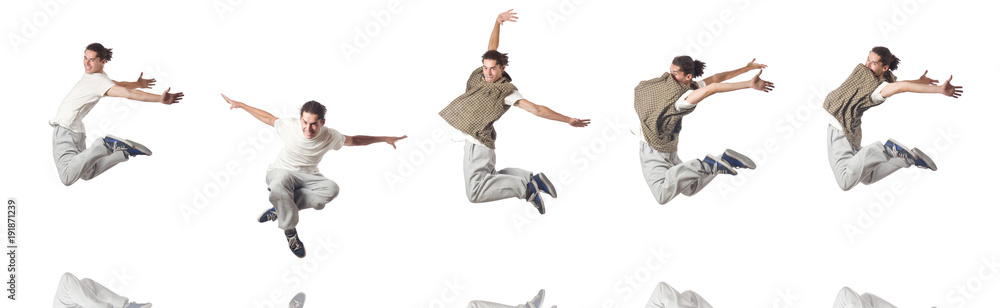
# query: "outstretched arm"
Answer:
x=138 y=84
x=922 y=85
x=547 y=113
x=720 y=77
x=510 y=16
x=754 y=83
x=261 y=115
x=357 y=140
x=166 y=98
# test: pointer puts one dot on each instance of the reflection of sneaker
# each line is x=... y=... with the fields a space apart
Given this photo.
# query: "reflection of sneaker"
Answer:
x=737 y=160
x=719 y=166
x=138 y=305
x=295 y=244
x=268 y=215
x=536 y=302
x=130 y=147
x=297 y=301
x=544 y=184
x=535 y=198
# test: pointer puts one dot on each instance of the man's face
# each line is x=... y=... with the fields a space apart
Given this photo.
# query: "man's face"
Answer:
x=680 y=76
x=91 y=63
x=874 y=63
x=310 y=124
x=491 y=71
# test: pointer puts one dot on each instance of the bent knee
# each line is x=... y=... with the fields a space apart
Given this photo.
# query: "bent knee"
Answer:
x=66 y=181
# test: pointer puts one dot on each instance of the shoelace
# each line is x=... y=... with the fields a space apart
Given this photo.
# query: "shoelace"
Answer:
x=271 y=215
x=294 y=243
x=897 y=151
x=119 y=146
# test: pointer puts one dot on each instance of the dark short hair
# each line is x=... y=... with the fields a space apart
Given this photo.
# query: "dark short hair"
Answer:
x=494 y=55
x=886 y=57
x=689 y=66
x=103 y=53
x=314 y=107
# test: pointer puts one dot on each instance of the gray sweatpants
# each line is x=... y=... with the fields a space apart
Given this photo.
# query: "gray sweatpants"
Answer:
x=292 y=191
x=866 y=165
x=847 y=298
x=483 y=183
x=665 y=296
x=74 y=160
x=76 y=293
x=668 y=176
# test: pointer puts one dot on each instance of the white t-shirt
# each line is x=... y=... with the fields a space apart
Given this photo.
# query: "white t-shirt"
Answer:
x=876 y=97
x=681 y=104
x=299 y=153
x=80 y=100
x=511 y=98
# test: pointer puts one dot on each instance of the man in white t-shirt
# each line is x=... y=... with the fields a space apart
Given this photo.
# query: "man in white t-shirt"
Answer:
x=293 y=179
x=74 y=160
x=489 y=94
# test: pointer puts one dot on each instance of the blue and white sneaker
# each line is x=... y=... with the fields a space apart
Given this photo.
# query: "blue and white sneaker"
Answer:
x=914 y=157
x=131 y=148
x=544 y=184
x=295 y=244
x=535 y=198
x=268 y=215
x=737 y=160
x=536 y=302
x=298 y=301
x=719 y=166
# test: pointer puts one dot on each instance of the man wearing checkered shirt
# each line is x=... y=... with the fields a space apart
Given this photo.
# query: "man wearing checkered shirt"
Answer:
x=869 y=85
x=488 y=95
x=661 y=103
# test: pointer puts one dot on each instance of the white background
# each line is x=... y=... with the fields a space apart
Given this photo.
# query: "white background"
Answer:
x=178 y=228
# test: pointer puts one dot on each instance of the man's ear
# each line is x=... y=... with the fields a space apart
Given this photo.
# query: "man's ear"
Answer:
x=322 y=122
